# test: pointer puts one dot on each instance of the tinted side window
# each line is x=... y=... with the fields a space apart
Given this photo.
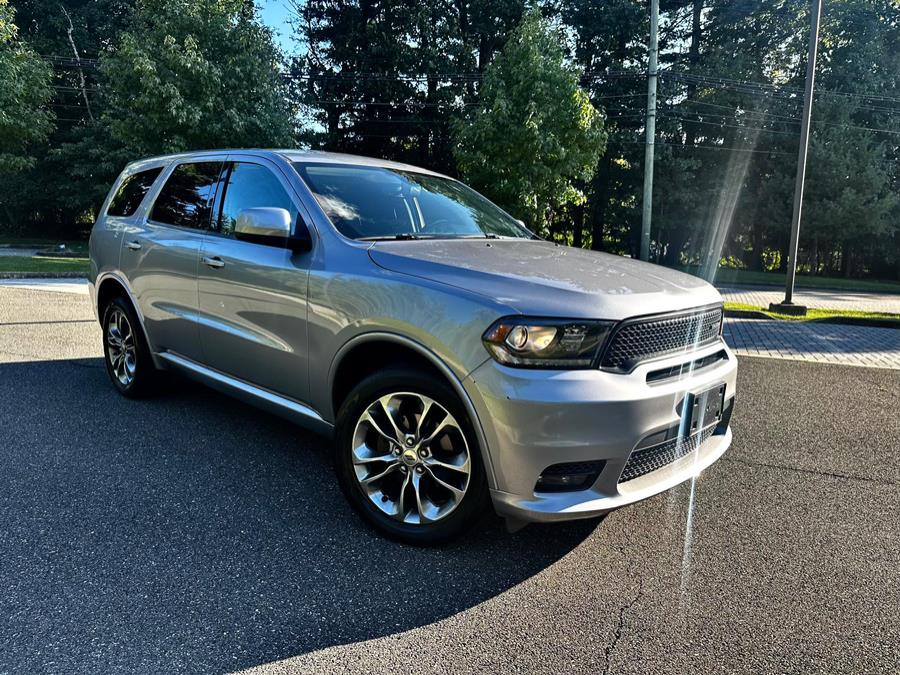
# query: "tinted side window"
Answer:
x=251 y=186
x=186 y=198
x=132 y=192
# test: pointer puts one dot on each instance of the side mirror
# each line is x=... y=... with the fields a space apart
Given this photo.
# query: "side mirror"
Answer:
x=272 y=227
x=263 y=222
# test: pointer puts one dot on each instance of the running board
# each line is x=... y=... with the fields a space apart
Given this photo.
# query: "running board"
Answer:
x=262 y=398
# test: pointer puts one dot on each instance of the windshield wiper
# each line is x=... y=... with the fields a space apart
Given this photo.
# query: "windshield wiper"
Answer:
x=403 y=236
x=407 y=236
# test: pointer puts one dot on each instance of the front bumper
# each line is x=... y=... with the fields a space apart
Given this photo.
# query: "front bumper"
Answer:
x=533 y=419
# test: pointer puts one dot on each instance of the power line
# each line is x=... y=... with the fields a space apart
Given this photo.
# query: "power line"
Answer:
x=669 y=73
x=724 y=82
x=787 y=119
x=730 y=126
x=429 y=104
x=712 y=147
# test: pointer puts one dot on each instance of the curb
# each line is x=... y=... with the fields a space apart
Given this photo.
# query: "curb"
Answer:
x=43 y=275
x=801 y=288
x=840 y=320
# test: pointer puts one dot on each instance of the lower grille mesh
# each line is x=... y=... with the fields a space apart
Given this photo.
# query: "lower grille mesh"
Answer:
x=650 y=459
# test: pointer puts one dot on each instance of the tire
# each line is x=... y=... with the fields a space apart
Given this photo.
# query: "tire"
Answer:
x=421 y=493
x=130 y=367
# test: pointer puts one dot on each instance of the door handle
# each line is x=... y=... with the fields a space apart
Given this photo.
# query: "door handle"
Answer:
x=215 y=262
x=133 y=245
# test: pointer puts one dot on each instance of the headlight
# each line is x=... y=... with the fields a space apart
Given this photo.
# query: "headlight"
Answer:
x=546 y=343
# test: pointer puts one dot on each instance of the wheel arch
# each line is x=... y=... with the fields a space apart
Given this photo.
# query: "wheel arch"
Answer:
x=111 y=286
x=367 y=353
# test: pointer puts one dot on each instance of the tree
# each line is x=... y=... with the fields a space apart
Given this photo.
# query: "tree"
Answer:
x=189 y=75
x=384 y=77
x=535 y=137
x=25 y=89
x=609 y=43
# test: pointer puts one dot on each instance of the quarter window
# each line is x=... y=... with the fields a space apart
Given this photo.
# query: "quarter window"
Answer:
x=186 y=198
x=251 y=186
x=132 y=192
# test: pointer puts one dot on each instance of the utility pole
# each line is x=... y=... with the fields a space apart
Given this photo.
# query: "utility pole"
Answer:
x=787 y=306
x=650 y=125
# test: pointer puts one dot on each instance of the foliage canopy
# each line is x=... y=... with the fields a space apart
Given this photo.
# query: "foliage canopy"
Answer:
x=534 y=138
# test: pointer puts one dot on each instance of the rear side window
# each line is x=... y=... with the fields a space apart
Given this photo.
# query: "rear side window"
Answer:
x=186 y=198
x=132 y=192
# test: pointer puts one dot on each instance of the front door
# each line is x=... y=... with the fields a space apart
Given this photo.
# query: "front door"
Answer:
x=253 y=296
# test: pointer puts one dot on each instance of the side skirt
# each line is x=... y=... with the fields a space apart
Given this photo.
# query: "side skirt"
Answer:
x=279 y=405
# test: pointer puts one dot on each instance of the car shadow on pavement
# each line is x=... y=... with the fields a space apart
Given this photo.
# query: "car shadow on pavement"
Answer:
x=192 y=532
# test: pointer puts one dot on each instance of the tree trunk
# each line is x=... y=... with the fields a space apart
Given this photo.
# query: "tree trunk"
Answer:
x=757 y=263
x=600 y=201
x=814 y=256
x=693 y=60
x=578 y=226
x=847 y=261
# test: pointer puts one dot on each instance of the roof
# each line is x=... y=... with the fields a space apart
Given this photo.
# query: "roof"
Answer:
x=291 y=155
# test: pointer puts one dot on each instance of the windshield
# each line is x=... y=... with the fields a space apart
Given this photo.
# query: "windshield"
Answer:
x=368 y=202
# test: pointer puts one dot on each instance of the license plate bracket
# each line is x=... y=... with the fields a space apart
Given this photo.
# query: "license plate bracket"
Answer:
x=704 y=408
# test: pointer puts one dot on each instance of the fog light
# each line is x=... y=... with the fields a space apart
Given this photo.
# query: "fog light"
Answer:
x=569 y=477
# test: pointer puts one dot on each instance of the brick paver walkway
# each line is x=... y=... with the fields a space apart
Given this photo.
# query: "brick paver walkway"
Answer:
x=812 y=341
x=866 y=302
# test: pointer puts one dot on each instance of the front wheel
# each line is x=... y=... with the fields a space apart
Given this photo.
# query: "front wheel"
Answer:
x=407 y=458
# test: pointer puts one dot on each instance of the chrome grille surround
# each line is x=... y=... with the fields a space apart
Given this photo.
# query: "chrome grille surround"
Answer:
x=645 y=338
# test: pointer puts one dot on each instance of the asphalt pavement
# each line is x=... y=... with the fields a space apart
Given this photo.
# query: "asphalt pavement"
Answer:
x=191 y=533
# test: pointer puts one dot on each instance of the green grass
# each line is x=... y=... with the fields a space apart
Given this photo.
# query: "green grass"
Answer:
x=812 y=314
x=725 y=276
x=43 y=264
x=79 y=246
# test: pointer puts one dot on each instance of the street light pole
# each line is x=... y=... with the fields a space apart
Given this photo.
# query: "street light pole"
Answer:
x=787 y=305
x=650 y=126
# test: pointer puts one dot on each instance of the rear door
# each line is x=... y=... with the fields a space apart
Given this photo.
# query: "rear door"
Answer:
x=253 y=296
x=161 y=254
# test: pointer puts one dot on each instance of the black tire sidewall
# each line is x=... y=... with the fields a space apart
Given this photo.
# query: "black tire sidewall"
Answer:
x=142 y=384
x=388 y=381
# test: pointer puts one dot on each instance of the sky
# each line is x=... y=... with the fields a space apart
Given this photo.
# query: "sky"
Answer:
x=275 y=14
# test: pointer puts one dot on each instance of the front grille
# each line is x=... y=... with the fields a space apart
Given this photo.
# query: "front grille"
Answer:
x=650 y=459
x=643 y=339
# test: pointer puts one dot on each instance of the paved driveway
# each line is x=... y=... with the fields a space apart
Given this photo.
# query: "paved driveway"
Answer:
x=190 y=533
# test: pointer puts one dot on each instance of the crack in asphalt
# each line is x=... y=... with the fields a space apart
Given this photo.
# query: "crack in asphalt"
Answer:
x=608 y=651
x=829 y=474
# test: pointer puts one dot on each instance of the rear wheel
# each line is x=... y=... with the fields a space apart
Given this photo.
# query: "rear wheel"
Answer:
x=407 y=457
x=127 y=356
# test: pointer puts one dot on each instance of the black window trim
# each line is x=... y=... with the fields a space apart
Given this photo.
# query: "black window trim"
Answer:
x=168 y=174
x=222 y=189
x=161 y=171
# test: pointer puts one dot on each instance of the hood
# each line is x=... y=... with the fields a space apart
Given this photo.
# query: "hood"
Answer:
x=542 y=279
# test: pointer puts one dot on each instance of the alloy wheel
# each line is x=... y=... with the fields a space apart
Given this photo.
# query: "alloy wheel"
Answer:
x=120 y=347
x=411 y=458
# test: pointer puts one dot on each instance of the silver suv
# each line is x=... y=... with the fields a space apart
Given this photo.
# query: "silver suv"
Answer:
x=455 y=358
